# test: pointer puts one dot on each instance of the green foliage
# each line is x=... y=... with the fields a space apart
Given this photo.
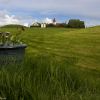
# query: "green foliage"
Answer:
x=7 y=38
x=76 y=23
x=15 y=38
x=58 y=25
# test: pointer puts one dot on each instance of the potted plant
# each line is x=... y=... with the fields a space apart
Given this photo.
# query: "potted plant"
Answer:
x=11 y=49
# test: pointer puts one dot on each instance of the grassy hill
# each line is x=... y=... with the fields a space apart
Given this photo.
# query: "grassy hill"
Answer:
x=12 y=26
x=60 y=64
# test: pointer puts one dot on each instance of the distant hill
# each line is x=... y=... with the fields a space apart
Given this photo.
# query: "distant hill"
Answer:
x=13 y=26
x=97 y=26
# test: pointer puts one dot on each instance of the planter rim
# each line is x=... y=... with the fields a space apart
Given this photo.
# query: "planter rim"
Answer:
x=19 y=46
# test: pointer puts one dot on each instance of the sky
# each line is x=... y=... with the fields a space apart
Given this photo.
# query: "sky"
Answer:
x=28 y=11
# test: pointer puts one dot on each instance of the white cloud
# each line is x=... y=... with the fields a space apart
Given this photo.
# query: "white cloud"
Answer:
x=11 y=20
x=5 y=1
x=88 y=8
x=47 y=20
x=26 y=24
x=6 y=18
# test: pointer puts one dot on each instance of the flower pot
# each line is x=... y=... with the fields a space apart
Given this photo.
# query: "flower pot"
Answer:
x=12 y=54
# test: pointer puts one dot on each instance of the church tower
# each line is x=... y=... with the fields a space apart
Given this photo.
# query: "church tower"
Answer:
x=54 y=21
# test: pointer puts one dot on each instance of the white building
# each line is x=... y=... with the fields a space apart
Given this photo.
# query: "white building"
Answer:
x=35 y=24
x=43 y=25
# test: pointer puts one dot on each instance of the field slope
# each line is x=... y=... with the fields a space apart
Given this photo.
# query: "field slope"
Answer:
x=60 y=64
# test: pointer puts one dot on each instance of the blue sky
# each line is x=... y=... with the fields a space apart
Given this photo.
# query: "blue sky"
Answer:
x=28 y=11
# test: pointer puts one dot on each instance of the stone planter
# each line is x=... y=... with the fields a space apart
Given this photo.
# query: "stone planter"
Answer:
x=12 y=54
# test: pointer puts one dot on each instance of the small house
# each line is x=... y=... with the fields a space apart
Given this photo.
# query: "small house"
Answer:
x=43 y=25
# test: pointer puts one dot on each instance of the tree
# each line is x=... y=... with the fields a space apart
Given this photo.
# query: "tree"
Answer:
x=76 y=23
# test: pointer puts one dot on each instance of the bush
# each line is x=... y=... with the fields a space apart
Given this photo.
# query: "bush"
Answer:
x=50 y=25
x=62 y=25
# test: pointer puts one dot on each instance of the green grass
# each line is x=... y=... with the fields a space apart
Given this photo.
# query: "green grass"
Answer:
x=60 y=64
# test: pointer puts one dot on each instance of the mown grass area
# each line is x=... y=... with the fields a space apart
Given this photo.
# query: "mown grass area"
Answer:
x=60 y=64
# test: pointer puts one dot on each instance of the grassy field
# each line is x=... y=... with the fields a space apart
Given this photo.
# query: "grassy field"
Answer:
x=60 y=64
